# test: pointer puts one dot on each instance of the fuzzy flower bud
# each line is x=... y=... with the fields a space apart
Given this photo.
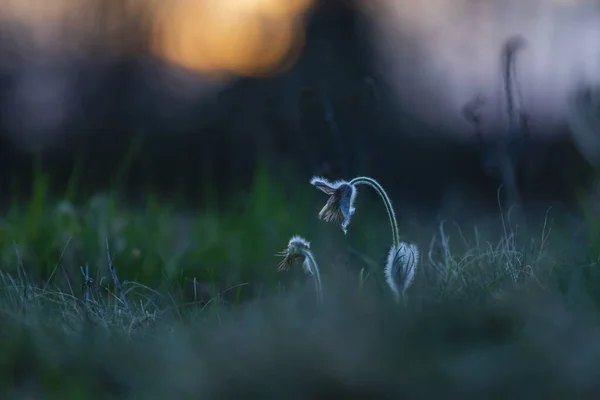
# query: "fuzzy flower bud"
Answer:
x=401 y=267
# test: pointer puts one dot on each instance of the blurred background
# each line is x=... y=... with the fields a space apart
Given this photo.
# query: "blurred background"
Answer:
x=182 y=97
x=172 y=142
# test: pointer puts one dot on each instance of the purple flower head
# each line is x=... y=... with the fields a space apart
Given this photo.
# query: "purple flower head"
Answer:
x=340 y=205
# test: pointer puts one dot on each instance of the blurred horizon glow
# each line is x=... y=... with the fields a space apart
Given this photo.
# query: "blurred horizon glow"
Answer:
x=434 y=56
x=232 y=37
x=203 y=45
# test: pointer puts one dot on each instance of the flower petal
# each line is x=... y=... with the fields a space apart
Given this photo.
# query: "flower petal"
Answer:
x=323 y=184
x=347 y=196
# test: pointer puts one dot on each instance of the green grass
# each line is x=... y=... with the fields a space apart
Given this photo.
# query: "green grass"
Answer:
x=157 y=243
x=492 y=313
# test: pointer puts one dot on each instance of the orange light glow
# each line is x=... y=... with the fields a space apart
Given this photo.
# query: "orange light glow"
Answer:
x=241 y=37
x=274 y=8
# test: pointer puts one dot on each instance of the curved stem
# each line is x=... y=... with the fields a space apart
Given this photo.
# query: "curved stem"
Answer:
x=386 y=200
x=315 y=270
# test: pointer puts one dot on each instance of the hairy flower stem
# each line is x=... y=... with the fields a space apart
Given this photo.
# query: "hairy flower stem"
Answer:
x=364 y=180
x=314 y=268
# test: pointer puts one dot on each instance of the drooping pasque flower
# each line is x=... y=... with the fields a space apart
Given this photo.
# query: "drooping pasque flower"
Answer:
x=402 y=258
x=298 y=250
x=340 y=205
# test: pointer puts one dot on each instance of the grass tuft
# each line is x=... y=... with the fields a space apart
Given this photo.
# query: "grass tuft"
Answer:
x=103 y=299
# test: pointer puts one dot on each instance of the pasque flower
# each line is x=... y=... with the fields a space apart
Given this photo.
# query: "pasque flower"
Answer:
x=340 y=206
x=342 y=195
x=403 y=257
x=298 y=251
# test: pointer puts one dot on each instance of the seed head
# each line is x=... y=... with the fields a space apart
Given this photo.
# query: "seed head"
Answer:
x=295 y=252
x=401 y=266
x=298 y=249
x=340 y=205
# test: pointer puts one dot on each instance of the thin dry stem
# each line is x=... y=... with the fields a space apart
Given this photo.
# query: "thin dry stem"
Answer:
x=113 y=272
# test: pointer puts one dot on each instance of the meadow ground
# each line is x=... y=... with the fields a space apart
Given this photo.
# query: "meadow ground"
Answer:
x=493 y=312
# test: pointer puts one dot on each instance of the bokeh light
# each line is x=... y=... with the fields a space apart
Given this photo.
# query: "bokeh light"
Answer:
x=241 y=37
